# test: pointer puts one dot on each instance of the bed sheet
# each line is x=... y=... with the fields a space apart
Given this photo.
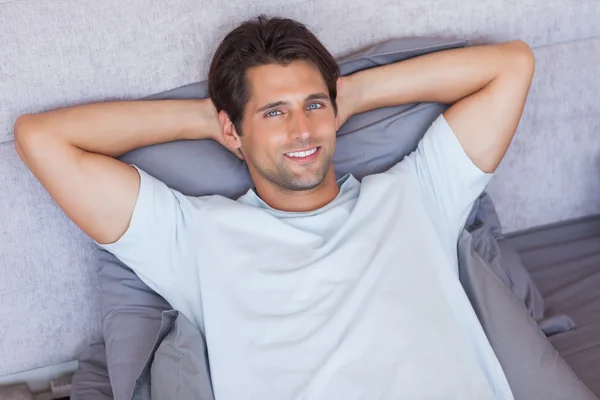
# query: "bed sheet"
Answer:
x=564 y=261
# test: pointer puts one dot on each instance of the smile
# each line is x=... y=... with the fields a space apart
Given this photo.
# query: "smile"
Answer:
x=302 y=154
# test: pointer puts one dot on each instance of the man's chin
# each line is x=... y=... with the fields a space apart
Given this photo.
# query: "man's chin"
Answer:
x=301 y=186
x=296 y=178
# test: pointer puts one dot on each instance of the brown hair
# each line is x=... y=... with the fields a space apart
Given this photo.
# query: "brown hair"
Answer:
x=258 y=42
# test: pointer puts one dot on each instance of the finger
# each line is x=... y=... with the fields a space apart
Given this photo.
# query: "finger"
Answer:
x=236 y=152
x=239 y=154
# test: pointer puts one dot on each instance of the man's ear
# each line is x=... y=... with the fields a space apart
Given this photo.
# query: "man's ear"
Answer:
x=228 y=131
x=337 y=122
x=229 y=136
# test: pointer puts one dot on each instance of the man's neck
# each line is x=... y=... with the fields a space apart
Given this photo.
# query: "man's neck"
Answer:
x=300 y=201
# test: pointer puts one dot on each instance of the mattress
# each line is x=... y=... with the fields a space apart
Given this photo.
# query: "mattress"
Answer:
x=564 y=261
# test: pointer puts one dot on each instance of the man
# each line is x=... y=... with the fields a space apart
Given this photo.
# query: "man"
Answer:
x=306 y=288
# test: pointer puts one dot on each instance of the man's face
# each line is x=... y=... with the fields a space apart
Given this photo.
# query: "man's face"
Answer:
x=289 y=127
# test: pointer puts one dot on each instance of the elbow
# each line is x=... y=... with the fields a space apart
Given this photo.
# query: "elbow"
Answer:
x=522 y=59
x=23 y=124
x=525 y=56
x=21 y=129
x=25 y=132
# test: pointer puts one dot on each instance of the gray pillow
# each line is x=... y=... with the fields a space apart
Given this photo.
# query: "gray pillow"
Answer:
x=90 y=381
x=180 y=367
x=504 y=261
x=131 y=321
x=367 y=143
x=533 y=368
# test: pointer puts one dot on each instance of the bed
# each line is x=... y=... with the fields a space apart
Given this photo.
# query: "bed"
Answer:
x=564 y=262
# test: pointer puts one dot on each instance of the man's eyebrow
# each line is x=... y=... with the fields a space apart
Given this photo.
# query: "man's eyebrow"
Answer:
x=314 y=96
x=318 y=96
x=271 y=105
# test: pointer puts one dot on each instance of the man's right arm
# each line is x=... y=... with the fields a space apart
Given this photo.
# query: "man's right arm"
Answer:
x=71 y=152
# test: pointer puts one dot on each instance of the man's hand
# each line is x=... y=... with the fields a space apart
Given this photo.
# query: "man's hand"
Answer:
x=346 y=99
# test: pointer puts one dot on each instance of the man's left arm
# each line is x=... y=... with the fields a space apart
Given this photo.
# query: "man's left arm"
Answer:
x=486 y=85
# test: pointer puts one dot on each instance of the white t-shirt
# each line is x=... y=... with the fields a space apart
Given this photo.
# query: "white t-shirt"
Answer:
x=359 y=299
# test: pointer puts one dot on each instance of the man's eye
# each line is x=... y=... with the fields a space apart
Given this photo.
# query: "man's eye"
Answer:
x=316 y=106
x=272 y=113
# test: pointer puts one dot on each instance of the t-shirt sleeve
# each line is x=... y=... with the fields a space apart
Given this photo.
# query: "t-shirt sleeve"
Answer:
x=449 y=180
x=157 y=243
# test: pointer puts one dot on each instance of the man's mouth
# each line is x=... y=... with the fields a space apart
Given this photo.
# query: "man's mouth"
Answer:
x=304 y=155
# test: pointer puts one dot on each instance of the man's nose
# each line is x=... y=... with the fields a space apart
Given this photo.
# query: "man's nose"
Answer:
x=300 y=128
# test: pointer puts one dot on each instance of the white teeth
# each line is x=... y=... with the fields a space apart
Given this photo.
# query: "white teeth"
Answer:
x=301 y=154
